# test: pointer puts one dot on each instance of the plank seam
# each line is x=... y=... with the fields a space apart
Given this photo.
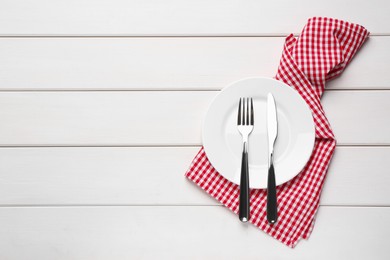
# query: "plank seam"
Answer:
x=364 y=89
x=276 y=35
x=159 y=146
x=160 y=205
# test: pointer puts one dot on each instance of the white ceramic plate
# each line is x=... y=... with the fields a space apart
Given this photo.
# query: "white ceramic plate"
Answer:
x=223 y=143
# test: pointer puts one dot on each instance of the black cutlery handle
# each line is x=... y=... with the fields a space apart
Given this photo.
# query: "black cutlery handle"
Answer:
x=244 y=189
x=272 y=207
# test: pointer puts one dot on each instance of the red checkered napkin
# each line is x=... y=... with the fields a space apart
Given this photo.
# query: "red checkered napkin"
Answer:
x=320 y=53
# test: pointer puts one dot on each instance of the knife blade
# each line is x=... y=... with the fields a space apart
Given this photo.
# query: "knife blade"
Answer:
x=272 y=132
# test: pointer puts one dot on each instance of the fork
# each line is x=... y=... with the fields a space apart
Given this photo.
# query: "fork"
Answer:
x=245 y=121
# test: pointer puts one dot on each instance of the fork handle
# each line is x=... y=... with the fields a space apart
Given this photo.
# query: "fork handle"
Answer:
x=272 y=208
x=244 y=188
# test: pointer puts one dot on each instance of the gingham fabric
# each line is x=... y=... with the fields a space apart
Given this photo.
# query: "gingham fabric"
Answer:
x=320 y=53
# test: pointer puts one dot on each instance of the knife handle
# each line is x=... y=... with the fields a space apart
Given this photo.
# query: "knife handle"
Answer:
x=244 y=188
x=272 y=207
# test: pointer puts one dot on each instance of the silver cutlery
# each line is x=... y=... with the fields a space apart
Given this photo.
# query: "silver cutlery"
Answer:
x=245 y=121
x=272 y=127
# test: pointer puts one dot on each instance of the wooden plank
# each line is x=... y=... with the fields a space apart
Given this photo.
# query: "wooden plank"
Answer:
x=183 y=232
x=102 y=118
x=358 y=176
x=174 y=17
x=164 y=63
x=357 y=117
x=159 y=117
x=155 y=176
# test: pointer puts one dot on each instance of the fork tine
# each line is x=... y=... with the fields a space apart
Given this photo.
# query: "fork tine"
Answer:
x=252 y=113
x=247 y=112
x=239 y=113
x=243 y=112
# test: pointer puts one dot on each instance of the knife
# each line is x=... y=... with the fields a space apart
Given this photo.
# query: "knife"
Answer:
x=272 y=130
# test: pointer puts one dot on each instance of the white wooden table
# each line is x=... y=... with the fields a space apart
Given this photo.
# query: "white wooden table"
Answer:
x=101 y=104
